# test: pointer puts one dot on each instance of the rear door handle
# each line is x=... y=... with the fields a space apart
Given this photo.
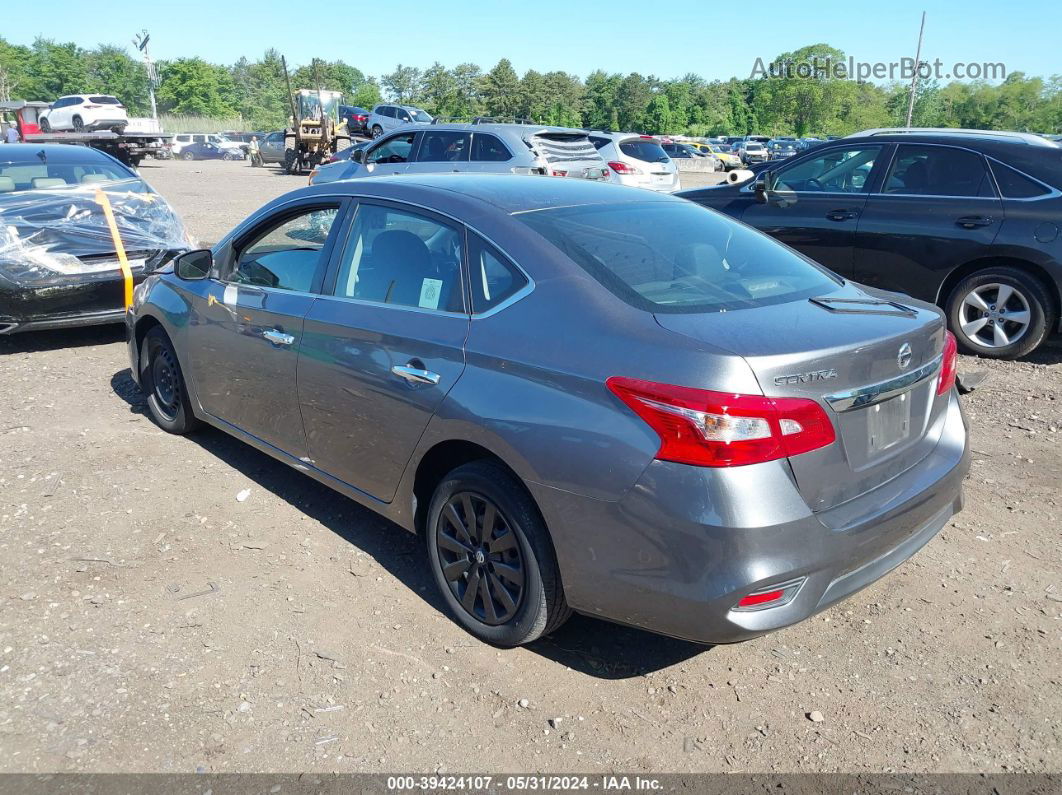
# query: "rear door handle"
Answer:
x=974 y=221
x=841 y=215
x=416 y=375
x=278 y=337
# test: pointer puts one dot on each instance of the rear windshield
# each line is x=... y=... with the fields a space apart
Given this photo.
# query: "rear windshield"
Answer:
x=646 y=151
x=678 y=256
x=105 y=100
x=565 y=147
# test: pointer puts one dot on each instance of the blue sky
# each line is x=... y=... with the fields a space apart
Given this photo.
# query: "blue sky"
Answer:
x=663 y=39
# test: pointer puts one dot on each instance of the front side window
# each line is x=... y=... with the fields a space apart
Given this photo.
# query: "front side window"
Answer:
x=488 y=148
x=836 y=171
x=403 y=258
x=393 y=150
x=443 y=146
x=678 y=257
x=493 y=277
x=938 y=171
x=287 y=254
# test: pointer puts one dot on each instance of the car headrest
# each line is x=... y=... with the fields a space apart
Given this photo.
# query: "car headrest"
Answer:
x=92 y=179
x=7 y=185
x=48 y=182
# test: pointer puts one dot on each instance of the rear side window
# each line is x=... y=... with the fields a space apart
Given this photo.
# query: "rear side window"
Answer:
x=494 y=278
x=678 y=257
x=443 y=146
x=599 y=142
x=646 y=151
x=488 y=148
x=1015 y=185
x=938 y=171
x=403 y=258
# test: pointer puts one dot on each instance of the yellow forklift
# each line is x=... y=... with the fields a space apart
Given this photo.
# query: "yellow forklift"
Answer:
x=316 y=132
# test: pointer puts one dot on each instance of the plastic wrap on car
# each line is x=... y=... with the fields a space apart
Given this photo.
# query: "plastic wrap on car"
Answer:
x=53 y=236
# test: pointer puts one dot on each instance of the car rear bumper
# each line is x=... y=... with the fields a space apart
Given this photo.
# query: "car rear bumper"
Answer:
x=106 y=124
x=686 y=544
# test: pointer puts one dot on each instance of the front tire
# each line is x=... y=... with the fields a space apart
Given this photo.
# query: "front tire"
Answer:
x=46 y=126
x=377 y=131
x=79 y=124
x=999 y=313
x=491 y=556
x=162 y=379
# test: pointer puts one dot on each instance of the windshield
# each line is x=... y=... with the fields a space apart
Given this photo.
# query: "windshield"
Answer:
x=420 y=116
x=753 y=147
x=678 y=257
x=17 y=176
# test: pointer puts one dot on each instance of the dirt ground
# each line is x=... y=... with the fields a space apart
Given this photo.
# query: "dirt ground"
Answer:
x=152 y=621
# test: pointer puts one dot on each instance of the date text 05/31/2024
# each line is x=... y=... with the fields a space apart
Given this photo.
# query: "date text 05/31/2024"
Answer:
x=465 y=783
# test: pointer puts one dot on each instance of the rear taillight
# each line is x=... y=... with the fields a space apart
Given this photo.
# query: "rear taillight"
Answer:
x=557 y=173
x=622 y=168
x=948 y=366
x=720 y=429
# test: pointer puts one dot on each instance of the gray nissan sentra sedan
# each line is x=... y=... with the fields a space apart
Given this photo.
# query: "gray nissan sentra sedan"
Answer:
x=583 y=396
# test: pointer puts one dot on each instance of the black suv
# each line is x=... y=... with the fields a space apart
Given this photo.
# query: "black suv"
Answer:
x=966 y=219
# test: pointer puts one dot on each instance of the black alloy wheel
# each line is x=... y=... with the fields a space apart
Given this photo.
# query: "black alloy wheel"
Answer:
x=480 y=558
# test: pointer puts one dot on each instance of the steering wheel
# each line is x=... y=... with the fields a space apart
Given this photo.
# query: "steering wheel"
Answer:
x=814 y=184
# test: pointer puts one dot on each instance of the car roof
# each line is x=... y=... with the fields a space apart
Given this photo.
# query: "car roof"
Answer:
x=491 y=126
x=475 y=193
x=622 y=136
x=54 y=154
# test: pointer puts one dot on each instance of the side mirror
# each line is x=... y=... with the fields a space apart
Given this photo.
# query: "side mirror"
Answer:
x=358 y=156
x=764 y=186
x=194 y=265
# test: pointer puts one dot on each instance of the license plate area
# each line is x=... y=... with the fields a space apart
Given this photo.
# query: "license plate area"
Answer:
x=888 y=423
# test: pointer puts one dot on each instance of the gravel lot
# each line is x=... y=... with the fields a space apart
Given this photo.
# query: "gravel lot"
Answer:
x=151 y=621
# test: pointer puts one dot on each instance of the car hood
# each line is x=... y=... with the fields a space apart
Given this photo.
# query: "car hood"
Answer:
x=50 y=236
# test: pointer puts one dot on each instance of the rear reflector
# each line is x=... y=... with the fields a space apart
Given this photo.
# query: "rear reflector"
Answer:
x=949 y=366
x=720 y=429
x=775 y=596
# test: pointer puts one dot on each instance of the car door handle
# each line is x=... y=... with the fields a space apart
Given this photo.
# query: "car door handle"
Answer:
x=415 y=375
x=974 y=221
x=278 y=337
x=841 y=215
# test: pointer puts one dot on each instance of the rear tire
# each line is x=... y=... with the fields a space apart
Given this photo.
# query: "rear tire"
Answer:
x=163 y=381
x=985 y=327
x=377 y=131
x=511 y=563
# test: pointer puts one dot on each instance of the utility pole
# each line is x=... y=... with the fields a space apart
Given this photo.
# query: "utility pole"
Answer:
x=140 y=41
x=914 y=79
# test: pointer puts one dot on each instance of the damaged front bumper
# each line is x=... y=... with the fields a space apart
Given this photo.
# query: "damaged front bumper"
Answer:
x=69 y=303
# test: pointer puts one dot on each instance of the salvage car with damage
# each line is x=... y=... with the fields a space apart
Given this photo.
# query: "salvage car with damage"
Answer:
x=59 y=264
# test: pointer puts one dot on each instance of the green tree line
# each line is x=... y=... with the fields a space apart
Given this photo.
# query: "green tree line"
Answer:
x=256 y=91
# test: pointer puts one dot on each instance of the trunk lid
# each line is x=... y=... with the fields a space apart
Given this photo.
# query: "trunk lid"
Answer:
x=870 y=360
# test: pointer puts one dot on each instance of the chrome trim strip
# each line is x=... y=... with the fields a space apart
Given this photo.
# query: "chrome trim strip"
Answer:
x=863 y=396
